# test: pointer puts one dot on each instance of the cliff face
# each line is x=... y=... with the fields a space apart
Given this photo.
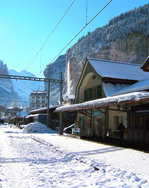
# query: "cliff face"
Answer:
x=53 y=71
x=125 y=38
x=134 y=48
x=7 y=93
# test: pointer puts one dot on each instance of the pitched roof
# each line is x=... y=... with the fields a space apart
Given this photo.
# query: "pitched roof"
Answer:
x=118 y=70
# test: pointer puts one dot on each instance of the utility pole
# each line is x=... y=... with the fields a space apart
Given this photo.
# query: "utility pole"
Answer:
x=48 y=102
x=61 y=125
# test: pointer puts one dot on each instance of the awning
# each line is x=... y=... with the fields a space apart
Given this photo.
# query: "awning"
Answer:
x=43 y=110
x=108 y=101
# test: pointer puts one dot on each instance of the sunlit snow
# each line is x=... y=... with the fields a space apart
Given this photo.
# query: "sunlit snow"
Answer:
x=51 y=160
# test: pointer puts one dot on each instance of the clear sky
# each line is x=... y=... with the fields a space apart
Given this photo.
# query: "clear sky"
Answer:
x=26 y=24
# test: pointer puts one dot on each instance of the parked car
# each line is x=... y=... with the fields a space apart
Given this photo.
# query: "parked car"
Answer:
x=72 y=129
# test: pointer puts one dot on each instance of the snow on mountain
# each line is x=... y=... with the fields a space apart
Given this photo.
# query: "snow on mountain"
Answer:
x=22 y=87
x=7 y=93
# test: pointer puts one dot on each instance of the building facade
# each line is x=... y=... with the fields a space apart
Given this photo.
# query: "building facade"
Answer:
x=110 y=93
x=38 y=99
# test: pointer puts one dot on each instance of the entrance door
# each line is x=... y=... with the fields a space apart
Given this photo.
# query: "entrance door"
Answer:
x=141 y=130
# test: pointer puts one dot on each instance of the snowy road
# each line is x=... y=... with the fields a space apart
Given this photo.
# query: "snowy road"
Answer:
x=26 y=163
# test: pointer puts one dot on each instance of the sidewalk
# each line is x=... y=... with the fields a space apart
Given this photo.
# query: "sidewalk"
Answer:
x=129 y=160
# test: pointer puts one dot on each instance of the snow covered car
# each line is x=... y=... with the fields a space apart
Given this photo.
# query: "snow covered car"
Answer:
x=72 y=129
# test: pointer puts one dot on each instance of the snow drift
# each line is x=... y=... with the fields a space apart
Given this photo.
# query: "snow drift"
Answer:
x=37 y=128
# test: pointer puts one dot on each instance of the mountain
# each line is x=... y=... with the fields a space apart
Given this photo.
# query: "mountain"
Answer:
x=16 y=92
x=22 y=87
x=7 y=92
x=125 y=38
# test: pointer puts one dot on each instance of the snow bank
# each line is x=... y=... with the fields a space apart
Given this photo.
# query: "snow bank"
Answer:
x=37 y=128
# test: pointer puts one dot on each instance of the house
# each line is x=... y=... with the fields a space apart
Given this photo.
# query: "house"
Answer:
x=10 y=112
x=100 y=108
x=102 y=78
x=40 y=115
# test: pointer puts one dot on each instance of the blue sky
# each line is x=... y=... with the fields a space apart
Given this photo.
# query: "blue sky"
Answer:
x=26 y=24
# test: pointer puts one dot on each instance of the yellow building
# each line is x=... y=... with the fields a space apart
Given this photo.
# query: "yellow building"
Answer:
x=109 y=93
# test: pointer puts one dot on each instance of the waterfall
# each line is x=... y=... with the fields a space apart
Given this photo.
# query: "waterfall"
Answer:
x=68 y=78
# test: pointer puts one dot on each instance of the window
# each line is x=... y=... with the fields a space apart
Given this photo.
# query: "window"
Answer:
x=86 y=95
x=98 y=92
x=93 y=93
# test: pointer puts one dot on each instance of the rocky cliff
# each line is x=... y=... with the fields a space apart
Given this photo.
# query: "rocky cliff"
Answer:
x=125 y=38
x=53 y=71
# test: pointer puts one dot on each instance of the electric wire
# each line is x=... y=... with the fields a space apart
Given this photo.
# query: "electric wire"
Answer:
x=50 y=35
x=76 y=35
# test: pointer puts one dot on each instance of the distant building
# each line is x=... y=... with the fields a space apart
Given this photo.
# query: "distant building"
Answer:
x=38 y=99
x=10 y=112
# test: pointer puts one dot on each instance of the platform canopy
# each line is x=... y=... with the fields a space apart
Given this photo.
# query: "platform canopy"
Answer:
x=108 y=101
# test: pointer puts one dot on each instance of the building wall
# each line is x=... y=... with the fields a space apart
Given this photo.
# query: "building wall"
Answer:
x=38 y=100
x=91 y=126
x=102 y=123
x=138 y=127
x=89 y=79
x=115 y=118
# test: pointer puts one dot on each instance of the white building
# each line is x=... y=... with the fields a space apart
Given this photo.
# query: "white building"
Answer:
x=38 y=99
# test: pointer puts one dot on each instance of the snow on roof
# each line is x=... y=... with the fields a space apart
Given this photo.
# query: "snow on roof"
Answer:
x=110 y=88
x=115 y=100
x=39 y=92
x=110 y=69
x=43 y=109
x=139 y=86
x=14 y=108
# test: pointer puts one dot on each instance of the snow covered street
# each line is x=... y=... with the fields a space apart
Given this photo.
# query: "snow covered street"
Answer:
x=50 y=160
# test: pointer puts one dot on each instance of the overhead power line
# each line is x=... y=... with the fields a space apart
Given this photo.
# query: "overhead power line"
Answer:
x=77 y=34
x=50 y=35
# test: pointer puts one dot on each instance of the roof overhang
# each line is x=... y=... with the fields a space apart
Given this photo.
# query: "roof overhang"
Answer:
x=130 y=98
x=145 y=66
x=43 y=110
